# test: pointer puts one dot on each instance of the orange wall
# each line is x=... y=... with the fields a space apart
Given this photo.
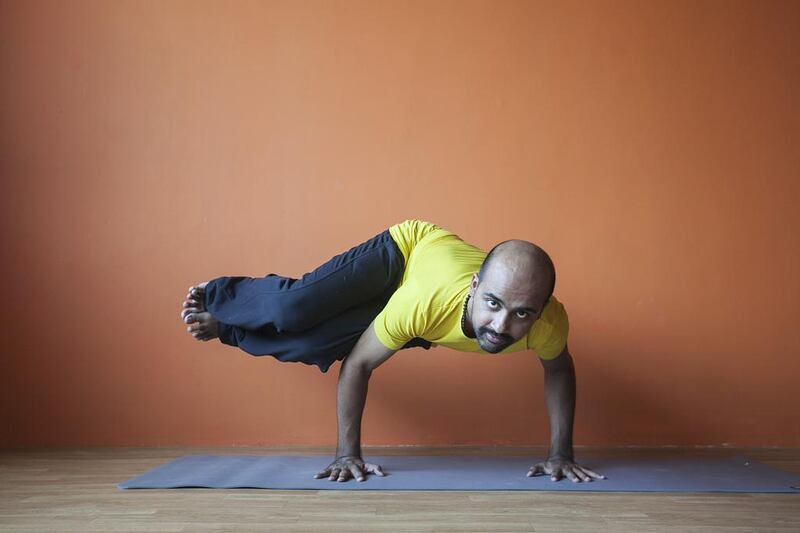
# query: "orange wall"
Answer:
x=650 y=147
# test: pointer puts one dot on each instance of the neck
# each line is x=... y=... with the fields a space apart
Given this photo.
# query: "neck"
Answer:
x=466 y=322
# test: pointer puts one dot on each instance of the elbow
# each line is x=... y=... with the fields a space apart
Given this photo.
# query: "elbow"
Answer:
x=560 y=365
x=359 y=368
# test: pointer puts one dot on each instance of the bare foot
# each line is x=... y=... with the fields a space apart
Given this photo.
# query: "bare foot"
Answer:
x=195 y=300
x=197 y=295
x=202 y=325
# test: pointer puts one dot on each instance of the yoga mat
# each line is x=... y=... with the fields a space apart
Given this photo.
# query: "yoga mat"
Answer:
x=731 y=474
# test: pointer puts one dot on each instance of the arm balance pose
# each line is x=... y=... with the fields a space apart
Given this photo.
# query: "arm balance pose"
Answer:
x=412 y=285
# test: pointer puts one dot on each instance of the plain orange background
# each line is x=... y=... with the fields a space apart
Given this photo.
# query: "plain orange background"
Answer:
x=650 y=147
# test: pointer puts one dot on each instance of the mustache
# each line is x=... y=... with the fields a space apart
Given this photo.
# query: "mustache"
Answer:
x=483 y=330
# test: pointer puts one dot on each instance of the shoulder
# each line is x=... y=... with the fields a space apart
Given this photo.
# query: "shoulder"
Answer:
x=554 y=311
x=549 y=333
x=402 y=318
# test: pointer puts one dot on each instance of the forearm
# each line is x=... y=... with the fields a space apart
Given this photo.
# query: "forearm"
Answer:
x=559 y=388
x=350 y=400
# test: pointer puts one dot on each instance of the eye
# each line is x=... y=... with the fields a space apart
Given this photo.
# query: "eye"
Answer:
x=492 y=304
x=522 y=314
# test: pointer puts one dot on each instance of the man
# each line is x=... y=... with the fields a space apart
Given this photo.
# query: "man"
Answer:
x=414 y=284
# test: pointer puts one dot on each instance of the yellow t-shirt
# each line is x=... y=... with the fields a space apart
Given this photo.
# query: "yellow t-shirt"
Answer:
x=429 y=301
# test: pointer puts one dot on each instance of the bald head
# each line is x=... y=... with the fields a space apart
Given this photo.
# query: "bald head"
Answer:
x=523 y=264
x=509 y=294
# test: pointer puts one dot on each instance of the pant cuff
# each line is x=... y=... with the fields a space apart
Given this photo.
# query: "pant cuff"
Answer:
x=227 y=335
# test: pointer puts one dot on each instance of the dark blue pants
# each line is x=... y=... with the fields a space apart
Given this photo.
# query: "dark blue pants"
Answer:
x=316 y=319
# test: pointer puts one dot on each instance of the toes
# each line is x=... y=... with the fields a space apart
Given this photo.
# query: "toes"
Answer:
x=190 y=312
x=196 y=292
x=202 y=334
x=200 y=320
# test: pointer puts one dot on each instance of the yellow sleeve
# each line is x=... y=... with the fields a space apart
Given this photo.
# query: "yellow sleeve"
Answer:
x=400 y=321
x=548 y=336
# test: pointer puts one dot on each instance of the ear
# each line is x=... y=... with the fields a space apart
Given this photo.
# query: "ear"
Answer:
x=473 y=285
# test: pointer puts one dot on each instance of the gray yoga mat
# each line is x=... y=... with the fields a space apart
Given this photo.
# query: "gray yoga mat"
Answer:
x=731 y=474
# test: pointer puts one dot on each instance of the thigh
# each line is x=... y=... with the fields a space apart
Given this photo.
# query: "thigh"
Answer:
x=364 y=272
x=322 y=345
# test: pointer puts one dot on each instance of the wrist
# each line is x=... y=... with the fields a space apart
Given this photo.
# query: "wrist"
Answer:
x=562 y=455
x=348 y=453
x=348 y=456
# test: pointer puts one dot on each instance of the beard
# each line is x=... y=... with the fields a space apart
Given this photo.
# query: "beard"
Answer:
x=487 y=345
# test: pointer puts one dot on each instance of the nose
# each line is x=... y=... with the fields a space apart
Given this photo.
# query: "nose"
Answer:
x=500 y=324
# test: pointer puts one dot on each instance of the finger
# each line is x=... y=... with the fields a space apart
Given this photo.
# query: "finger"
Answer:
x=536 y=469
x=324 y=473
x=556 y=475
x=581 y=474
x=194 y=327
x=593 y=473
x=334 y=474
x=571 y=475
x=358 y=475
x=375 y=469
x=344 y=475
x=188 y=311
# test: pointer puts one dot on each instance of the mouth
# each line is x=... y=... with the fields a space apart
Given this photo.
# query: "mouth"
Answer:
x=494 y=339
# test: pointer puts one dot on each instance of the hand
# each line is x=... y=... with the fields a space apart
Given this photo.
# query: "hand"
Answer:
x=558 y=467
x=343 y=468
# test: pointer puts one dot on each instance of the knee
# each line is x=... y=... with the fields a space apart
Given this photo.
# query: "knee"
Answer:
x=294 y=316
x=309 y=350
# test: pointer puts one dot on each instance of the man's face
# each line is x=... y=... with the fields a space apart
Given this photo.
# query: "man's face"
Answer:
x=504 y=304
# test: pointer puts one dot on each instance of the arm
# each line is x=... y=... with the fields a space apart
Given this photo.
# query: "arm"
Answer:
x=357 y=367
x=559 y=391
x=368 y=354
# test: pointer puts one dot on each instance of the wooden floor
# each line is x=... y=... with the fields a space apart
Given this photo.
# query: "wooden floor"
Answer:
x=75 y=490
